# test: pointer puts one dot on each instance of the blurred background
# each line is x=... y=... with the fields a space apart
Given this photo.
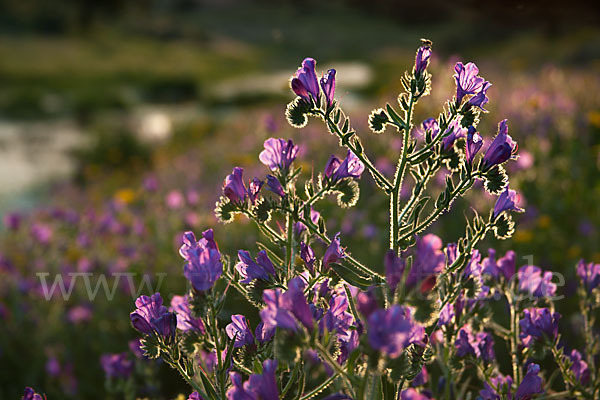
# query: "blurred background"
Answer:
x=119 y=121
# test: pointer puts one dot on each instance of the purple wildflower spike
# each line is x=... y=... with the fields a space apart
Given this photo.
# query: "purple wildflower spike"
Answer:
x=304 y=82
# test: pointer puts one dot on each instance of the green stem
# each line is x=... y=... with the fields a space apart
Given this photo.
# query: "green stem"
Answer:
x=464 y=185
x=361 y=155
x=189 y=380
x=334 y=364
x=289 y=245
x=292 y=379
x=399 y=176
x=351 y=260
x=514 y=334
x=319 y=388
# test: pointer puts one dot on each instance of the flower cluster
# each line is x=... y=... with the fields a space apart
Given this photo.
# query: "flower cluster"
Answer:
x=331 y=324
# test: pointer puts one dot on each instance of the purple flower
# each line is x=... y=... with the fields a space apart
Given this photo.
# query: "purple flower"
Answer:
x=505 y=265
x=12 y=221
x=538 y=323
x=30 y=394
x=453 y=132
x=304 y=82
x=391 y=330
x=394 y=269
x=41 y=232
x=413 y=394
x=203 y=266
x=274 y=186
x=233 y=186
x=116 y=365
x=185 y=321
x=429 y=260
x=507 y=201
x=239 y=330
x=254 y=188
x=308 y=256
x=430 y=124
x=195 y=396
x=422 y=59
x=284 y=309
x=265 y=384
x=278 y=154
x=474 y=143
x=533 y=282
x=530 y=385
x=480 y=345
x=366 y=302
x=589 y=274
x=579 y=368
x=328 y=86
x=447 y=314
x=334 y=252
x=467 y=81
x=152 y=317
x=262 y=333
x=480 y=99
x=351 y=167
x=503 y=147
x=263 y=268
x=503 y=383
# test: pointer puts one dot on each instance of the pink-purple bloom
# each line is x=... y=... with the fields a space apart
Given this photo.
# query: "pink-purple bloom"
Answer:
x=503 y=147
x=429 y=260
x=233 y=186
x=502 y=383
x=350 y=167
x=391 y=330
x=185 y=320
x=250 y=270
x=579 y=367
x=308 y=256
x=203 y=267
x=334 y=252
x=239 y=329
x=480 y=345
x=283 y=310
x=589 y=274
x=533 y=282
x=507 y=201
x=468 y=83
x=422 y=59
x=474 y=143
x=328 y=86
x=258 y=386
x=530 y=385
x=394 y=269
x=453 y=132
x=505 y=265
x=116 y=365
x=30 y=394
x=195 y=396
x=278 y=154
x=304 y=82
x=151 y=317
x=274 y=186
x=538 y=324
x=254 y=189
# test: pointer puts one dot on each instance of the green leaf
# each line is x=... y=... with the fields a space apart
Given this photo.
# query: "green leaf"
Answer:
x=351 y=277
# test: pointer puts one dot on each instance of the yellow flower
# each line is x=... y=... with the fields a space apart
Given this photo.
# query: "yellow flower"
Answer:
x=125 y=196
x=594 y=118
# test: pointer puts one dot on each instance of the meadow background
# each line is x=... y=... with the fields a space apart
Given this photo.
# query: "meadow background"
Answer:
x=119 y=121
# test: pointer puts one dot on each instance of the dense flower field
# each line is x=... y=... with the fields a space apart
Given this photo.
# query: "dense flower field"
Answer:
x=352 y=275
